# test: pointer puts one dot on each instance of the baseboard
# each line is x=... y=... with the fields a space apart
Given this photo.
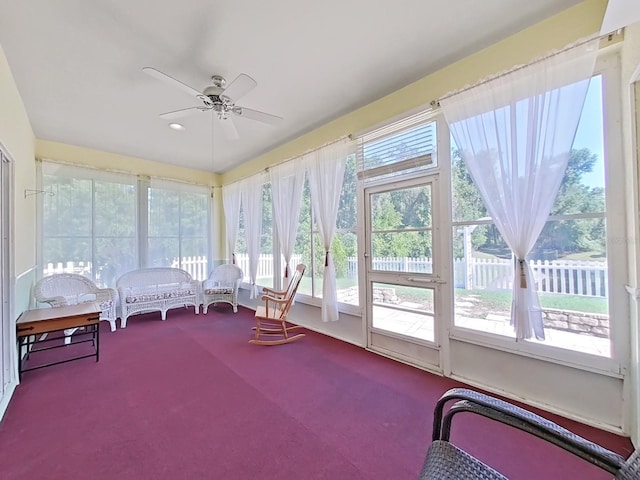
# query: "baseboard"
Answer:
x=542 y=406
x=6 y=398
x=314 y=329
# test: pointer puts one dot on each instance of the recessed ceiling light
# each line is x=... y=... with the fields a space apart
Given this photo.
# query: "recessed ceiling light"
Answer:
x=176 y=126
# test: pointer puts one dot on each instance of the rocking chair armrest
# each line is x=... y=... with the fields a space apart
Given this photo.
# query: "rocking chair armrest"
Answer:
x=279 y=302
x=268 y=298
x=272 y=292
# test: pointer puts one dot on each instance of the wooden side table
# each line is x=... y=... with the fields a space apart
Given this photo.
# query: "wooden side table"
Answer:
x=33 y=323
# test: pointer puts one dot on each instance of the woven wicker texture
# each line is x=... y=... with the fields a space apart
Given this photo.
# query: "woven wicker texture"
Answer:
x=509 y=414
x=222 y=286
x=62 y=289
x=446 y=461
x=631 y=469
x=156 y=289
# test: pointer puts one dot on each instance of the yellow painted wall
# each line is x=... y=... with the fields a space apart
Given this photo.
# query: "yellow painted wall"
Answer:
x=72 y=154
x=111 y=161
x=16 y=136
x=577 y=22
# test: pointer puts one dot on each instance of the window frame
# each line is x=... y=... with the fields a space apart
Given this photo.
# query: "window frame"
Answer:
x=182 y=189
x=607 y=65
x=141 y=184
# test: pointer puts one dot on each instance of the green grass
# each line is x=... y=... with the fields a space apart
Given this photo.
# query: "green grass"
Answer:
x=575 y=303
x=341 y=283
x=494 y=300
x=500 y=300
x=591 y=256
x=586 y=256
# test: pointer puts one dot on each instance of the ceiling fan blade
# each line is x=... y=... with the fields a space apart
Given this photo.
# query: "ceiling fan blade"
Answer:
x=257 y=115
x=171 y=81
x=242 y=85
x=181 y=113
x=229 y=128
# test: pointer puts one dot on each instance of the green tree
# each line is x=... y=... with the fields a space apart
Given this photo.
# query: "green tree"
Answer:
x=562 y=237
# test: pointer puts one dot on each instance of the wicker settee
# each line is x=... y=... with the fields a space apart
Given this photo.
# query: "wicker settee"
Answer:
x=156 y=289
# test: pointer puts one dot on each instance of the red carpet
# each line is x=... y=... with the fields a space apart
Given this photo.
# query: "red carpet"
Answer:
x=190 y=398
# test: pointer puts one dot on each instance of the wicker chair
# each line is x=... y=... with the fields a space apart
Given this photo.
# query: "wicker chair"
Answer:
x=62 y=289
x=445 y=460
x=222 y=286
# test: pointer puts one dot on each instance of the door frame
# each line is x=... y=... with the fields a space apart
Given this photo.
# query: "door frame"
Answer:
x=423 y=353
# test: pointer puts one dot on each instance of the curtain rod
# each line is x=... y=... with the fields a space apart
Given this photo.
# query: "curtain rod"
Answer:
x=604 y=39
x=119 y=172
x=288 y=159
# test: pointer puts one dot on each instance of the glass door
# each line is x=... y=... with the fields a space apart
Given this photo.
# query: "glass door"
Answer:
x=402 y=276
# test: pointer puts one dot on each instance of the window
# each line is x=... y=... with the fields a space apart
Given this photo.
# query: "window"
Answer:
x=103 y=224
x=569 y=260
x=88 y=222
x=309 y=249
x=178 y=226
x=266 y=272
x=266 y=277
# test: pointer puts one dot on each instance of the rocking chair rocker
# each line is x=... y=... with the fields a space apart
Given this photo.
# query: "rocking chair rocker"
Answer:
x=274 y=313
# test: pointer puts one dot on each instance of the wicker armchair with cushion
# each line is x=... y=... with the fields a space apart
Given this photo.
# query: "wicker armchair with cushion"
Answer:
x=222 y=286
x=446 y=461
x=62 y=289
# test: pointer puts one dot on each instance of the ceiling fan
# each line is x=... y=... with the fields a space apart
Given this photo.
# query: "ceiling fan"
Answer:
x=217 y=98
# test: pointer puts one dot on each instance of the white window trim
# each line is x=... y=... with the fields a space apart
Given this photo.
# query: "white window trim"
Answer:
x=608 y=65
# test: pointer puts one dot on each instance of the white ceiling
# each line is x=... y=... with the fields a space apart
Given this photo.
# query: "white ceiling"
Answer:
x=78 y=64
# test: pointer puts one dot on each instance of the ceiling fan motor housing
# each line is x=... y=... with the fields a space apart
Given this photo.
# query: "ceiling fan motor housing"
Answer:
x=213 y=93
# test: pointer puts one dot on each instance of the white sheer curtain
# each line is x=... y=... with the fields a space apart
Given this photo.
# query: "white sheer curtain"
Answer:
x=231 y=206
x=287 y=183
x=325 y=168
x=515 y=134
x=251 y=191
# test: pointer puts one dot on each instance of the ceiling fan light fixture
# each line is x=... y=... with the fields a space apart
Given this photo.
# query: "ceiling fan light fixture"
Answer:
x=176 y=126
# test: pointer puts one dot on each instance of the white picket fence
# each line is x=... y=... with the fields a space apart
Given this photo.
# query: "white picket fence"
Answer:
x=82 y=268
x=265 y=265
x=573 y=277
x=197 y=266
x=588 y=278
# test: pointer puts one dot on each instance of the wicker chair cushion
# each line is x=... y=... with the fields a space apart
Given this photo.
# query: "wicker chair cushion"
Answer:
x=218 y=290
x=158 y=292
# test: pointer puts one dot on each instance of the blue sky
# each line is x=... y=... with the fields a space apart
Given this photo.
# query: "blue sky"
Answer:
x=590 y=132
